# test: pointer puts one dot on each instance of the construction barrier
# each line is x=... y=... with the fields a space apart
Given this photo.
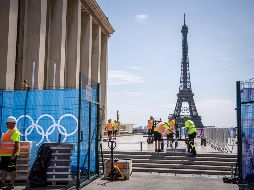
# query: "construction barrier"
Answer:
x=245 y=120
x=45 y=115
x=221 y=139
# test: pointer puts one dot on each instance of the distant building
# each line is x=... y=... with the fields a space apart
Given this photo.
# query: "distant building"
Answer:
x=140 y=129
x=126 y=128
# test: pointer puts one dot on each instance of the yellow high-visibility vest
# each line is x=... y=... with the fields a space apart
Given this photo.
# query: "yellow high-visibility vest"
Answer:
x=7 y=145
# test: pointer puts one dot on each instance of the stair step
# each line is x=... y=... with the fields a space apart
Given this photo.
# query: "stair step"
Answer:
x=185 y=162
x=173 y=153
x=180 y=166
x=177 y=162
x=181 y=171
x=225 y=167
x=158 y=157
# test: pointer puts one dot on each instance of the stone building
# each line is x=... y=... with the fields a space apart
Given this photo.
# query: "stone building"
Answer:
x=48 y=42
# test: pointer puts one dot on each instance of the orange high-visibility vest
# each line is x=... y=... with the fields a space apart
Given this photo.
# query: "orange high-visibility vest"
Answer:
x=161 y=127
x=109 y=126
x=6 y=145
x=150 y=124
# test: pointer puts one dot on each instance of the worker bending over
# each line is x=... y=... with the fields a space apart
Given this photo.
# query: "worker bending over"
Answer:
x=192 y=132
x=160 y=128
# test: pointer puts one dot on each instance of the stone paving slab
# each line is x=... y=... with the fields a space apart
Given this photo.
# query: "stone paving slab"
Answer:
x=155 y=181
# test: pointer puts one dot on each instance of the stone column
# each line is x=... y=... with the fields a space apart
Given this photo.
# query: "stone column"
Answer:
x=57 y=36
x=103 y=79
x=96 y=53
x=8 y=37
x=73 y=43
x=34 y=43
x=86 y=45
x=20 y=44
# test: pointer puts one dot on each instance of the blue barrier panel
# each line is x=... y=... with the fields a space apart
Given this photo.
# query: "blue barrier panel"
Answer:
x=44 y=114
x=247 y=124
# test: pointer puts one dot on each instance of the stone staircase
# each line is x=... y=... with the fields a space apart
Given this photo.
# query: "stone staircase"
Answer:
x=220 y=164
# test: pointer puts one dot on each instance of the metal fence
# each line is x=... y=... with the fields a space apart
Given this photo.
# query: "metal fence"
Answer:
x=43 y=115
x=89 y=110
x=221 y=139
x=245 y=122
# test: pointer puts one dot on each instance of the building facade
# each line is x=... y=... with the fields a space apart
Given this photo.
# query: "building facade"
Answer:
x=48 y=42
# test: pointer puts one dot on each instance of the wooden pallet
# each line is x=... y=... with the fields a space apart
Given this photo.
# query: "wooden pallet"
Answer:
x=59 y=171
x=22 y=164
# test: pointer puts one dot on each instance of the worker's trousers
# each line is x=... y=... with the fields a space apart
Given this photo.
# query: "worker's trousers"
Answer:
x=191 y=144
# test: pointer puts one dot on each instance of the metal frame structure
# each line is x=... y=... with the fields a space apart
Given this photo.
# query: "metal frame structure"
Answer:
x=185 y=93
x=79 y=183
x=239 y=129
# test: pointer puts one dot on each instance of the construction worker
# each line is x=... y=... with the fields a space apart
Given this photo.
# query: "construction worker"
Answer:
x=170 y=132
x=192 y=132
x=115 y=128
x=158 y=131
x=150 y=125
x=9 y=150
x=109 y=128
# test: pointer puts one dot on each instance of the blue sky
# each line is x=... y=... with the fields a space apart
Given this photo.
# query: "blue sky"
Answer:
x=145 y=56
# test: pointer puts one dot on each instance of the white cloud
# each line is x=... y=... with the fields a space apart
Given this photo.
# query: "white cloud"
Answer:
x=137 y=68
x=154 y=96
x=217 y=112
x=117 y=77
x=129 y=93
x=141 y=18
x=223 y=57
x=169 y=106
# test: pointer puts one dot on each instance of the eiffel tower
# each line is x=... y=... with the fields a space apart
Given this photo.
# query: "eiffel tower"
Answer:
x=185 y=94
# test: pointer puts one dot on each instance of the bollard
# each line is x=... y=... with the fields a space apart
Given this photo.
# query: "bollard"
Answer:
x=204 y=141
x=232 y=171
x=176 y=144
x=140 y=145
x=59 y=139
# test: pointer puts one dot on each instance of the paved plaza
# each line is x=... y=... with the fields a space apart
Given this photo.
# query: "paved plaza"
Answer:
x=155 y=181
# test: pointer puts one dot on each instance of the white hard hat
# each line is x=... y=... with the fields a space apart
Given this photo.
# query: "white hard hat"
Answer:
x=11 y=119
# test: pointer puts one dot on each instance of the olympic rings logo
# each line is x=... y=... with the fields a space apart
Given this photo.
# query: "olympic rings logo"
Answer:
x=61 y=129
